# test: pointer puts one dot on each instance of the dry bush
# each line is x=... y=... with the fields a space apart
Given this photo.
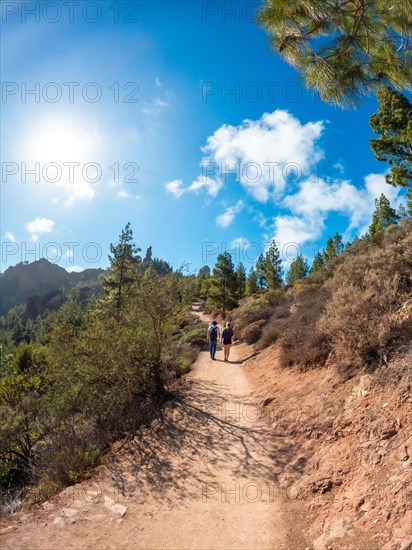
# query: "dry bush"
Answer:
x=369 y=292
x=301 y=341
x=252 y=332
x=11 y=501
x=274 y=327
x=249 y=319
x=63 y=457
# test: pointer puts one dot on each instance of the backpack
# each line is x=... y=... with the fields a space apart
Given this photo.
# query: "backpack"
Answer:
x=213 y=332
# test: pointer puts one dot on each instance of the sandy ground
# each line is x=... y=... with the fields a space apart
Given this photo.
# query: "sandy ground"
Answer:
x=201 y=477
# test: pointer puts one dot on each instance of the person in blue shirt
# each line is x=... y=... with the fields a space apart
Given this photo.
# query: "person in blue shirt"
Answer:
x=227 y=336
x=213 y=333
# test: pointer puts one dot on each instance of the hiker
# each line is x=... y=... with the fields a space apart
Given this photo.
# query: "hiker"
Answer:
x=227 y=336
x=213 y=333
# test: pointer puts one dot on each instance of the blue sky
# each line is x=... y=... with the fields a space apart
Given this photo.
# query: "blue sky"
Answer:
x=177 y=117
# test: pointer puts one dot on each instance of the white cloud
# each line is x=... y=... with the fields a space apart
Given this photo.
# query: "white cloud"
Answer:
x=158 y=82
x=175 y=187
x=10 y=237
x=211 y=185
x=157 y=102
x=115 y=183
x=39 y=226
x=316 y=199
x=291 y=230
x=265 y=153
x=240 y=242
x=154 y=106
x=127 y=195
x=228 y=216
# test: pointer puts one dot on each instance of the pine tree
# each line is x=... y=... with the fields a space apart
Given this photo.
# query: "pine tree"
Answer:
x=273 y=267
x=329 y=251
x=402 y=213
x=241 y=280
x=393 y=124
x=123 y=269
x=260 y=272
x=342 y=49
x=318 y=263
x=383 y=216
x=338 y=244
x=252 y=286
x=223 y=284
x=298 y=270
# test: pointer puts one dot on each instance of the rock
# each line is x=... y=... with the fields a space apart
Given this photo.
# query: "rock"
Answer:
x=397 y=488
x=69 y=512
x=119 y=509
x=58 y=522
x=267 y=401
x=108 y=501
x=48 y=506
x=387 y=434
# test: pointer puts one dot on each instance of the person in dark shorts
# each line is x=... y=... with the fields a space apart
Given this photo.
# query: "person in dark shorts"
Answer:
x=213 y=333
x=227 y=336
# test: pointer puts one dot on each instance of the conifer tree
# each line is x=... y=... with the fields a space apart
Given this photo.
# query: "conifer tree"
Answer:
x=393 y=124
x=123 y=270
x=260 y=272
x=342 y=49
x=223 y=284
x=329 y=251
x=241 y=280
x=318 y=263
x=338 y=244
x=334 y=247
x=383 y=216
x=252 y=286
x=273 y=267
x=298 y=270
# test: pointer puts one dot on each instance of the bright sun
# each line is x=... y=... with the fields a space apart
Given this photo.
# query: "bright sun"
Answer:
x=61 y=141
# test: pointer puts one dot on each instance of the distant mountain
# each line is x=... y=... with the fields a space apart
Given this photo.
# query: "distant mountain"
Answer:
x=37 y=279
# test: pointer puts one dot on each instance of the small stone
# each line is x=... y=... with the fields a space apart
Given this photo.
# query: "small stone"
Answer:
x=397 y=488
x=58 y=522
x=118 y=509
x=387 y=434
x=376 y=458
x=69 y=512
x=108 y=502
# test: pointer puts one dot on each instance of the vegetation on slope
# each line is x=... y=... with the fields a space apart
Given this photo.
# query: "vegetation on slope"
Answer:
x=92 y=375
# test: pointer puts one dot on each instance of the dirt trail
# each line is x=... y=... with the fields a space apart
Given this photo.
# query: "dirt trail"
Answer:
x=201 y=477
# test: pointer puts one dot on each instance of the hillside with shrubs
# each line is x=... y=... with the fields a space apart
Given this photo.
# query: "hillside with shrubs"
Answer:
x=75 y=380
x=354 y=310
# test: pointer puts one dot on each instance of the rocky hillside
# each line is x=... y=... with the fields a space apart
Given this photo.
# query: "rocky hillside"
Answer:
x=37 y=279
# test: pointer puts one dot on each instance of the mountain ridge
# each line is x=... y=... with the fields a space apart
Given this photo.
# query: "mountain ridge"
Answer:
x=24 y=280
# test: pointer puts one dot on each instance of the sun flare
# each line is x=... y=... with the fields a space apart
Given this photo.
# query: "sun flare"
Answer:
x=60 y=141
